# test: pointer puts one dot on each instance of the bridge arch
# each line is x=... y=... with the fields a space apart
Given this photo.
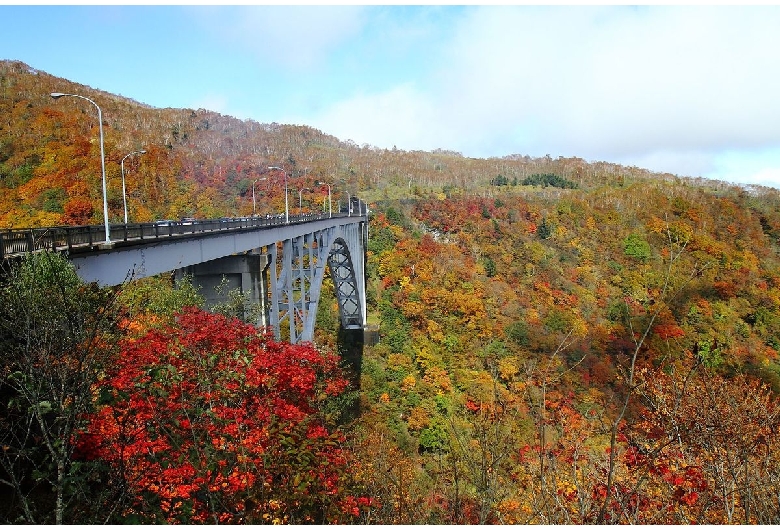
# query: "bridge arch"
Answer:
x=297 y=271
x=345 y=284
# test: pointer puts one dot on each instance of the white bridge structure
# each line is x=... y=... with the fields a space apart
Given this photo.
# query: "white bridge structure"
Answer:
x=276 y=264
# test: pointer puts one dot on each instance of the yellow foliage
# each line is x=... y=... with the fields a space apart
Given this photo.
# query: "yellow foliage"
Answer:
x=415 y=310
x=395 y=361
x=656 y=225
x=389 y=262
x=749 y=260
x=507 y=368
x=409 y=382
x=426 y=359
x=434 y=331
x=418 y=419
x=532 y=316
x=680 y=232
x=566 y=488
x=535 y=251
x=397 y=231
x=579 y=326
x=438 y=378
x=586 y=255
x=423 y=271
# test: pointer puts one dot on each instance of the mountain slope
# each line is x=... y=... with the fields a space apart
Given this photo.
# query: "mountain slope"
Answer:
x=201 y=163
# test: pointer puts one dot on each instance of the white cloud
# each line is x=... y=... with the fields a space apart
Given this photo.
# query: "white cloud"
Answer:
x=621 y=81
x=661 y=87
x=293 y=37
x=401 y=116
x=214 y=102
x=749 y=166
x=667 y=86
x=769 y=176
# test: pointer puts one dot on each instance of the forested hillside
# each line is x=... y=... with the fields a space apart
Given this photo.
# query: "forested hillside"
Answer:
x=560 y=341
x=543 y=347
x=200 y=163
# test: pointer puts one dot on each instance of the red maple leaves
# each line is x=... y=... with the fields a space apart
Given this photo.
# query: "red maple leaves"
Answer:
x=209 y=421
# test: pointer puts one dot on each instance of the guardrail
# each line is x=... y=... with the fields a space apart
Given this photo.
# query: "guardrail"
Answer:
x=68 y=238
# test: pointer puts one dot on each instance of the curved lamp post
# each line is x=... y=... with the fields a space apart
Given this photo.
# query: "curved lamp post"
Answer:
x=300 y=199
x=330 y=203
x=286 y=204
x=254 y=204
x=122 y=164
x=57 y=95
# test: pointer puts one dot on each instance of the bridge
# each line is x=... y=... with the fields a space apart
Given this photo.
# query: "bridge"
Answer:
x=278 y=264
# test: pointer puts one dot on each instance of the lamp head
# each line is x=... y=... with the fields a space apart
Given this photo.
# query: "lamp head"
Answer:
x=57 y=95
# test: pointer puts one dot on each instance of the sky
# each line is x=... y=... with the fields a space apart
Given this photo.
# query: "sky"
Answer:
x=691 y=91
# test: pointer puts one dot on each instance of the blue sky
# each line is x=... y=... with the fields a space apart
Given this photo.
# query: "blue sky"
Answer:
x=687 y=90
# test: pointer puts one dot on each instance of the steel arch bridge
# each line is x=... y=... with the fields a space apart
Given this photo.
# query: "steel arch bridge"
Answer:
x=284 y=276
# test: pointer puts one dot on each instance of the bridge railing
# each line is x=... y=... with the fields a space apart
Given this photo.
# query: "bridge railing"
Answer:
x=67 y=238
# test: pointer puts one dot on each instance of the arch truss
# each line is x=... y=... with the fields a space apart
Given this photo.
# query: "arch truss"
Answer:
x=297 y=268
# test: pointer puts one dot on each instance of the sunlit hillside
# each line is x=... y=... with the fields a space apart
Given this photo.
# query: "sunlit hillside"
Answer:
x=560 y=341
x=203 y=164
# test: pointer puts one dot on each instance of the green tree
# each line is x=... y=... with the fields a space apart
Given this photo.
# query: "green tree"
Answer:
x=500 y=180
x=634 y=246
x=56 y=335
x=544 y=231
x=490 y=266
x=158 y=296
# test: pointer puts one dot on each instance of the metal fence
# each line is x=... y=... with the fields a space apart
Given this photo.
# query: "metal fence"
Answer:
x=68 y=238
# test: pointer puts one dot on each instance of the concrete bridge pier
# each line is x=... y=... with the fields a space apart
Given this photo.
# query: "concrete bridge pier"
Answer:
x=246 y=272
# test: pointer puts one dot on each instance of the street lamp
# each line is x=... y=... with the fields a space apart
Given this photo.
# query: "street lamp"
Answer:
x=300 y=199
x=254 y=204
x=330 y=203
x=122 y=164
x=286 y=204
x=57 y=95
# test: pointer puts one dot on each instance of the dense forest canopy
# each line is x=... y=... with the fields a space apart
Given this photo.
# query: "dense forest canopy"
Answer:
x=560 y=340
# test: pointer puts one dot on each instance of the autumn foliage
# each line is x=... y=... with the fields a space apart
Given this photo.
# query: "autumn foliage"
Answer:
x=556 y=341
x=208 y=421
x=576 y=357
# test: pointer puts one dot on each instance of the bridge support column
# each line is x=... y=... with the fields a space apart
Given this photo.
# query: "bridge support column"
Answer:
x=247 y=273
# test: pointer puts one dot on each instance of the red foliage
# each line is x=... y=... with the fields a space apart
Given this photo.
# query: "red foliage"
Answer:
x=209 y=421
x=669 y=331
x=77 y=212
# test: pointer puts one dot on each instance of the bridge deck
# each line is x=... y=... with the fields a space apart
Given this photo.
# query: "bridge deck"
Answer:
x=84 y=239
